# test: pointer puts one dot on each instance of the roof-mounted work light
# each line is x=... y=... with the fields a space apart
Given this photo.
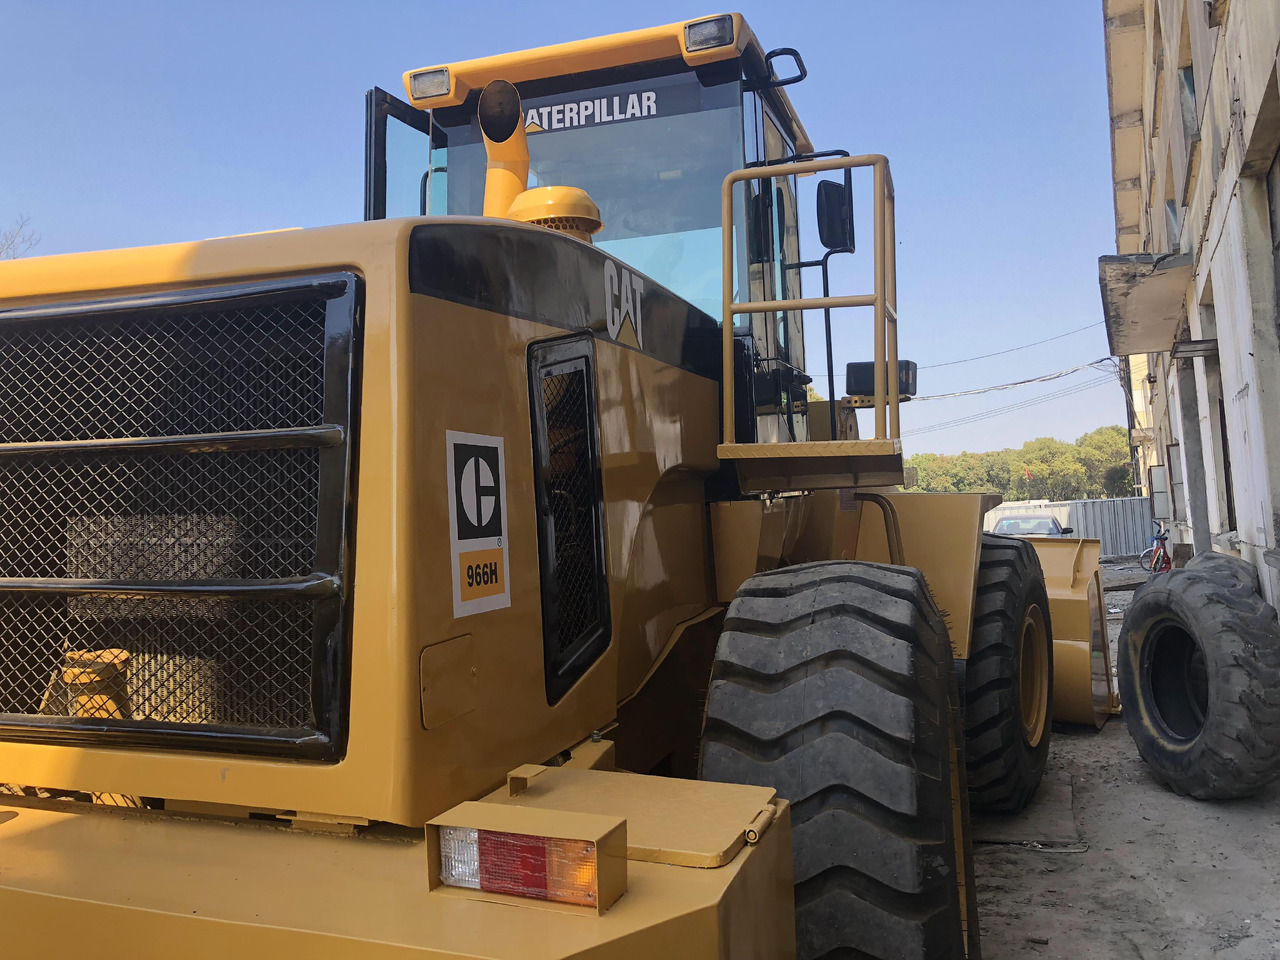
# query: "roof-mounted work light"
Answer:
x=705 y=34
x=426 y=84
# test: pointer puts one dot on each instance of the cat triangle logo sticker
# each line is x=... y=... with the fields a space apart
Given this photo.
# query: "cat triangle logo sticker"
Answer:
x=627 y=333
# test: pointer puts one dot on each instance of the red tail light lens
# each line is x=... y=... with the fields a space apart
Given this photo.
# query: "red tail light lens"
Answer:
x=513 y=863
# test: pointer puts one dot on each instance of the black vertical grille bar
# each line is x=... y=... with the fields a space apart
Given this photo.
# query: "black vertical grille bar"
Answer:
x=173 y=593
x=575 y=599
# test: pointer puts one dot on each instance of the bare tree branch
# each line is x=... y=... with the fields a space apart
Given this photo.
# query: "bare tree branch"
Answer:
x=18 y=239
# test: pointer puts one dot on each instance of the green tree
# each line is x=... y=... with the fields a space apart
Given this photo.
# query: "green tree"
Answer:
x=996 y=470
x=1100 y=451
x=932 y=473
x=1118 y=481
x=1096 y=465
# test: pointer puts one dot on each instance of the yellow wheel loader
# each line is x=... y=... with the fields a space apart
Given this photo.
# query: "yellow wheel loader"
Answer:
x=479 y=580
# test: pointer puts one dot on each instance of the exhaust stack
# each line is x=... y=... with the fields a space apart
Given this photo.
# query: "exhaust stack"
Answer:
x=502 y=126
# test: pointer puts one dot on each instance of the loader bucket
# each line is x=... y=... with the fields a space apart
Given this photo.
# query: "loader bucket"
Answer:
x=1083 y=688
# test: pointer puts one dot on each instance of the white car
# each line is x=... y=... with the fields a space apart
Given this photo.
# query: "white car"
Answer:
x=1031 y=526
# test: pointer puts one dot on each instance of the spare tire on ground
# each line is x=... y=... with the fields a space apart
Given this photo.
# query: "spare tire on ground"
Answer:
x=1199 y=671
x=1223 y=565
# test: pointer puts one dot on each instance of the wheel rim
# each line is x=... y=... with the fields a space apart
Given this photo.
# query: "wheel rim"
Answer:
x=1177 y=680
x=1033 y=675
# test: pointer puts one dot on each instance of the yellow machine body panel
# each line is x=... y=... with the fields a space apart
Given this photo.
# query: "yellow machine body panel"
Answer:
x=1083 y=687
x=941 y=536
x=415 y=746
x=145 y=885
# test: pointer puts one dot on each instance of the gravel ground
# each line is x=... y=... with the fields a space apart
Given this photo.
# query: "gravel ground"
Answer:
x=1162 y=877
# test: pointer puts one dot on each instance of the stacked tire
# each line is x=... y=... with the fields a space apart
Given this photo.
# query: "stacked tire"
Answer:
x=1199 y=677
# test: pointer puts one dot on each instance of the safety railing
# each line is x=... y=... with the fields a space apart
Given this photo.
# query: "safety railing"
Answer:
x=884 y=297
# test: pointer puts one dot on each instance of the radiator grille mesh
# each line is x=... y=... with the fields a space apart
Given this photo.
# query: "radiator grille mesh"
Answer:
x=246 y=514
x=169 y=660
x=218 y=638
x=254 y=368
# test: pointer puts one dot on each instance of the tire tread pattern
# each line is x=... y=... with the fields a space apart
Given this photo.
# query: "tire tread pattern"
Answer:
x=1237 y=752
x=830 y=684
x=1004 y=770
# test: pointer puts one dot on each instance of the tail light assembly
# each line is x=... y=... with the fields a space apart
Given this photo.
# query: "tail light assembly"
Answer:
x=536 y=854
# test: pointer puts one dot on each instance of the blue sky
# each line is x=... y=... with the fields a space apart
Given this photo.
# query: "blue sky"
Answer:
x=135 y=123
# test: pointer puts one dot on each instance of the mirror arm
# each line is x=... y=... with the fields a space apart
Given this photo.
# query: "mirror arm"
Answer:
x=831 y=363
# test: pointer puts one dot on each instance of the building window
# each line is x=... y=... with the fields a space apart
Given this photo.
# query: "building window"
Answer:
x=1177 y=489
x=1187 y=101
x=1217 y=451
x=1225 y=453
x=1187 y=85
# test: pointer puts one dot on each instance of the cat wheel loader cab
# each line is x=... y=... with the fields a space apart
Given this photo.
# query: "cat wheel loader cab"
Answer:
x=479 y=580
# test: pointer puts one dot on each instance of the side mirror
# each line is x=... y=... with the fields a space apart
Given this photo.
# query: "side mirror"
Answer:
x=835 y=215
x=774 y=80
x=1067 y=531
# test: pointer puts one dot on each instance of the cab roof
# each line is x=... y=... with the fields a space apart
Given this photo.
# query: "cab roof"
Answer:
x=615 y=50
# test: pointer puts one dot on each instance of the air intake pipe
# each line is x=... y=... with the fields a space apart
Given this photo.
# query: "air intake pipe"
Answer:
x=565 y=209
x=502 y=126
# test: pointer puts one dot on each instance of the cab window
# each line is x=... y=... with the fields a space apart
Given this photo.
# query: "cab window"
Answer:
x=652 y=153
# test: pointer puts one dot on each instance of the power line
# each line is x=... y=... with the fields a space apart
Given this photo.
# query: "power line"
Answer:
x=1017 y=383
x=998 y=353
x=1010 y=408
x=1025 y=346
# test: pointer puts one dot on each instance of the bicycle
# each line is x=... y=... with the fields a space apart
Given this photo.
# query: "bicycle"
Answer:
x=1156 y=558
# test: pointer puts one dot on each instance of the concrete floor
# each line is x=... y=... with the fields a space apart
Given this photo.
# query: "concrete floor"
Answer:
x=1155 y=876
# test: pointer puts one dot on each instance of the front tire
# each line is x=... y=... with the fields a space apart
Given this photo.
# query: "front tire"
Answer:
x=833 y=683
x=1008 y=683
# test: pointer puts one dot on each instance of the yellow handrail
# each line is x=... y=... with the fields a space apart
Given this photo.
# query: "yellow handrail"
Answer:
x=884 y=298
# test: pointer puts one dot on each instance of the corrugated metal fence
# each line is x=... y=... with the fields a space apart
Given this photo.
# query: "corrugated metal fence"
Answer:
x=1123 y=525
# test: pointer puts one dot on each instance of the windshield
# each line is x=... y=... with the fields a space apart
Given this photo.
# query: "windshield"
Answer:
x=1025 y=525
x=651 y=153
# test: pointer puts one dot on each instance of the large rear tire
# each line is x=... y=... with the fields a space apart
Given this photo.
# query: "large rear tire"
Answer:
x=833 y=683
x=1199 y=672
x=1008 y=680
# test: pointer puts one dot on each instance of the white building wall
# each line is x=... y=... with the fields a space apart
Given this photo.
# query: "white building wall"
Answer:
x=1212 y=160
x=1246 y=433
